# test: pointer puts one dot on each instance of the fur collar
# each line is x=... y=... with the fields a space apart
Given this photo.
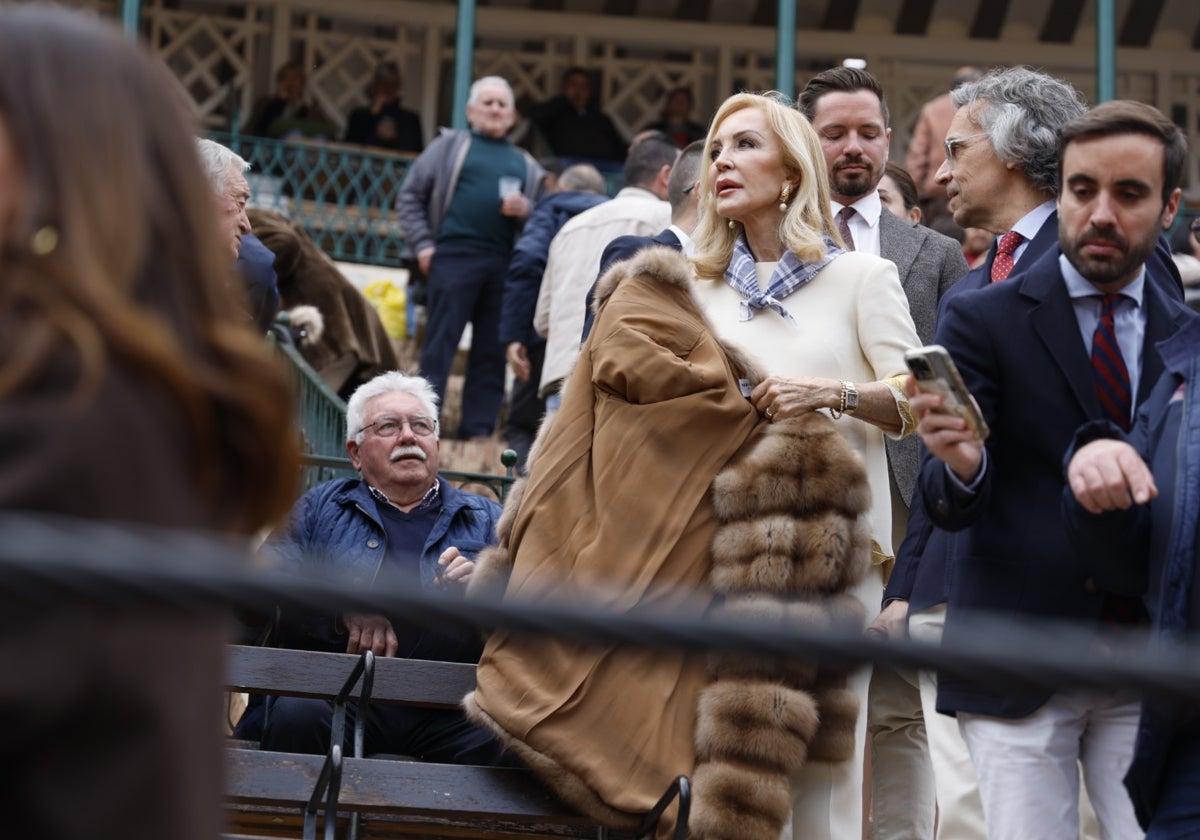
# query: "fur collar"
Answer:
x=665 y=265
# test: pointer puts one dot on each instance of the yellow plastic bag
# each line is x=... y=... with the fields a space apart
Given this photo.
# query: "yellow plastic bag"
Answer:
x=390 y=302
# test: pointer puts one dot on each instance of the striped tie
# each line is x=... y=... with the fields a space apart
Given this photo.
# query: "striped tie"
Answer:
x=1113 y=388
x=843 y=225
x=1108 y=366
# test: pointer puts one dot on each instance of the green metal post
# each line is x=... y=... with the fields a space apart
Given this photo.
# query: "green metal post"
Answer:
x=131 y=17
x=1106 y=50
x=785 y=48
x=464 y=61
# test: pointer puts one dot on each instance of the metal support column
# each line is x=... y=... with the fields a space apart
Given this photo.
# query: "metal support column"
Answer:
x=785 y=48
x=131 y=16
x=1106 y=50
x=464 y=62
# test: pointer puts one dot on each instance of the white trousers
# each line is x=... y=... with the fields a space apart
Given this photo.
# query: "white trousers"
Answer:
x=960 y=813
x=827 y=799
x=1028 y=768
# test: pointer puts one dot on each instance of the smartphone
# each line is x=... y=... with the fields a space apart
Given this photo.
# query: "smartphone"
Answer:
x=935 y=373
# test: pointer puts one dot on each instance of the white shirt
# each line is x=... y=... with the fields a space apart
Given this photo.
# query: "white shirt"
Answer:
x=1028 y=226
x=864 y=224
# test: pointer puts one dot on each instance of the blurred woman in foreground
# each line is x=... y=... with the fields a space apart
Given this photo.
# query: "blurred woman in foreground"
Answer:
x=131 y=391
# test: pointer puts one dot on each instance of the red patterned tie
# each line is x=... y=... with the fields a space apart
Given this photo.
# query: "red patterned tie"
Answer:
x=1002 y=266
x=1108 y=366
x=843 y=224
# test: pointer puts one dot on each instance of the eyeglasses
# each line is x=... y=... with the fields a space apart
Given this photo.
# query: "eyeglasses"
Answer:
x=1194 y=227
x=387 y=427
x=953 y=143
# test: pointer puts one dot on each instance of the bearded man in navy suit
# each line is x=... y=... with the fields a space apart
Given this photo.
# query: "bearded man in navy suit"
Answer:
x=1028 y=349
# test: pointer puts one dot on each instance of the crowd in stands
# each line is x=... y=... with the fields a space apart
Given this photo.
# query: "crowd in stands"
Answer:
x=713 y=408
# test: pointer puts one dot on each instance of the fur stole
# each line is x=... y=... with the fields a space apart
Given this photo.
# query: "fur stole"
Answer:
x=793 y=536
x=792 y=539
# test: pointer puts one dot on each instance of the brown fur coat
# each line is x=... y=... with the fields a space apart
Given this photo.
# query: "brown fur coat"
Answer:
x=762 y=519
x=354 y=347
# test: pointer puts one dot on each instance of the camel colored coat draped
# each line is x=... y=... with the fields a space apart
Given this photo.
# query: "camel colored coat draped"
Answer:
x=617 y=511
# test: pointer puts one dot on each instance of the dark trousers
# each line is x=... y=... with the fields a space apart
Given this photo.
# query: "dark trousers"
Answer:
x=466 y=285
x=301 y=725
x=525 y=407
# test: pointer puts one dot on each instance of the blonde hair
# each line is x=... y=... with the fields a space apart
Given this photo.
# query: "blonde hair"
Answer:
x=807 y=216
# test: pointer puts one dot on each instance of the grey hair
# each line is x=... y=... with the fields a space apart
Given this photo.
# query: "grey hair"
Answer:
x=217 y=162
x=499 y=81
x=1022 y=110
x=391 y=382
x=582 y=177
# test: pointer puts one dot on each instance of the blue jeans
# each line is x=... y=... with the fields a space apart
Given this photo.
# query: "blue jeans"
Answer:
x=1178 y=814
x=466 y=285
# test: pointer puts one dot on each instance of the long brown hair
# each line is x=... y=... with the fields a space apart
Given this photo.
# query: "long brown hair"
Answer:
x=113 y=256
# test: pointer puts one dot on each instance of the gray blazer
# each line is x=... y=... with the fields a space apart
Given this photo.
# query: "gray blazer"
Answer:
x=929 y=263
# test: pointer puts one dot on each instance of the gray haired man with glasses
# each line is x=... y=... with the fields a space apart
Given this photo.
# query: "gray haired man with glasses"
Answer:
x=1000 y=174
x=400 y=522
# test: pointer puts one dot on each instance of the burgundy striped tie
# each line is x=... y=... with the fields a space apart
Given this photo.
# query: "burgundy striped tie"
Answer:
x=1116 y=400
x=1108 y=366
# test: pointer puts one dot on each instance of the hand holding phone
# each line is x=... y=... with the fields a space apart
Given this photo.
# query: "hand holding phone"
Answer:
x=936 y=373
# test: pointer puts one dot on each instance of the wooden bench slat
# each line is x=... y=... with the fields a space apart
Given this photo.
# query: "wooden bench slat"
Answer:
x=398 y=787
x=409 y=682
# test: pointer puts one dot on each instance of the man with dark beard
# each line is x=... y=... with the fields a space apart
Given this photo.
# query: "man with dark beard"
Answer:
x=400 y=522
x=1072 y=339
x=847 y=108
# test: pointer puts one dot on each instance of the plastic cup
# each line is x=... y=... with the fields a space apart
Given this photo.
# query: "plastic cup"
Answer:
x=509 y=185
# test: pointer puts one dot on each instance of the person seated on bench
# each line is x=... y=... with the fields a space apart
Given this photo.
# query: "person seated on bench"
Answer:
x=400 y=521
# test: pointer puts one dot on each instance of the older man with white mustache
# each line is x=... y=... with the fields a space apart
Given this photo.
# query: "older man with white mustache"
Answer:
x=402 y=522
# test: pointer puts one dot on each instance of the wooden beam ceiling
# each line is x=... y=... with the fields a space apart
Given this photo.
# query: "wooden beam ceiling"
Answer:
x=1061 y=21
x=915 y=16
x=989 y=19
x=693 y=10
x=766 y=13
x=627 y=8
x=1140 y=22
x=840 y=15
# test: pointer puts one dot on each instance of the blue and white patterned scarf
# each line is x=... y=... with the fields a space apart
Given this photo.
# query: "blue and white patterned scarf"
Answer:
x=788 y=276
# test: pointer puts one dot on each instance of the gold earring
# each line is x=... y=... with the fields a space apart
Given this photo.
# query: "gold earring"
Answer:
x=784 y=195
x=44 y=241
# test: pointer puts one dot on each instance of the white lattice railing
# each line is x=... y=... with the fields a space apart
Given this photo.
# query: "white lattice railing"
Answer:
x=225 y=54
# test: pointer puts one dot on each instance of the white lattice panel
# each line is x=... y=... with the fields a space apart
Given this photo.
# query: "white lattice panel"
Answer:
x=211 y=55
x=344 y=58
x=225 y=53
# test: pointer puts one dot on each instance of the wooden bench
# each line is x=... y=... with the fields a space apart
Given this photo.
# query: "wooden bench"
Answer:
x=271 y=794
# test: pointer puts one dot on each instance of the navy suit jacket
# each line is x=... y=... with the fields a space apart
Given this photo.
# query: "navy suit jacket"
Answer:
x=256 y=264
x=1018 y=347
x=924 y=570
x=622 y=248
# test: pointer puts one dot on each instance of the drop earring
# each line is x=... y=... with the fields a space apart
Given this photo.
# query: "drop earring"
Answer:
x=784 y=195
x=44 y=241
